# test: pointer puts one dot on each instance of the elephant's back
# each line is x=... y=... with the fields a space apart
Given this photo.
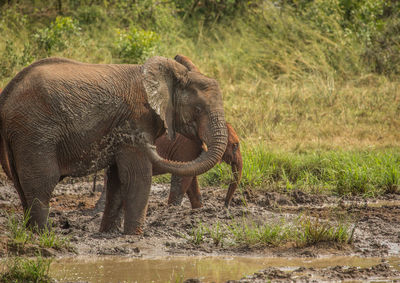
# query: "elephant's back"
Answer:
x=58 y=77
x=64 y=91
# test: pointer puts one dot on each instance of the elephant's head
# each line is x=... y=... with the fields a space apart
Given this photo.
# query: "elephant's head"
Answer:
x=189 y=103
x=233 y=157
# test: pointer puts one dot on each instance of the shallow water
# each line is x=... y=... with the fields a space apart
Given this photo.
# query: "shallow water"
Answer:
x=171 y=269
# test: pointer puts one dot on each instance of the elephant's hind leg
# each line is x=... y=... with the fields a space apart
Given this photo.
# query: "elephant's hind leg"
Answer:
x=179 y=185
x=135 y=172
x=111 y=218
x=37 y=178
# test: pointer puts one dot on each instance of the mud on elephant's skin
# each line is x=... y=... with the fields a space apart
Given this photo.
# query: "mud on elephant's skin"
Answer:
x=61 y=118
x=184 y=149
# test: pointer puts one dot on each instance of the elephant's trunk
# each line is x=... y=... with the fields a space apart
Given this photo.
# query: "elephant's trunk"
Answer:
x=237 y=166
x=206 y=160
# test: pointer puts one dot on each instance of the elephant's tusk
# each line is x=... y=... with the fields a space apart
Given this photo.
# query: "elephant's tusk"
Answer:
x=204 y=147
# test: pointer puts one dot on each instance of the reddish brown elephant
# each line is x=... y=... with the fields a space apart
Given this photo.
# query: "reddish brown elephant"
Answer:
x=60 y=117
x=184 y=149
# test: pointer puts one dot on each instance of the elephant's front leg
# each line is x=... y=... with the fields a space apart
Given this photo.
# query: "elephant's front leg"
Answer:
x=135 y=172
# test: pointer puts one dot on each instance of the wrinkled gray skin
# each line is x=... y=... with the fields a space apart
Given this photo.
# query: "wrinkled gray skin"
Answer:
x=61 y=118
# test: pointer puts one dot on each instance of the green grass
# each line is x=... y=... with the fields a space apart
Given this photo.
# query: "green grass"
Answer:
x=304 y=231
x=357 y=172
x=198 y=234
x=49 y=239
x=20 y=234
x=250 y=233
x=315 y=231
x=22 y=270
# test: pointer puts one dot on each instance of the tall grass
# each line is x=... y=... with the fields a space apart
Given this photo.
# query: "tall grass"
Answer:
x=367 y=172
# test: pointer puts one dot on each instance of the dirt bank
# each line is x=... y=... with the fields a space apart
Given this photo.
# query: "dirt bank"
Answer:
x=76 y=213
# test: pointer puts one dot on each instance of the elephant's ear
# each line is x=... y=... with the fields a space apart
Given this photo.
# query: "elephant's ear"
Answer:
x=185 y=61
x=161 y=78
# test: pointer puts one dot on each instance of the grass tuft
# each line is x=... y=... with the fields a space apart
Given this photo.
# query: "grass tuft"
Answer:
x=303 y=232
x=197 y=234
x=20 y=234
x=20 y=269
x=313 y=231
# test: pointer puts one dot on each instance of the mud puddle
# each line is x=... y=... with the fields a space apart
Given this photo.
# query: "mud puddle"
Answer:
x=213 y=269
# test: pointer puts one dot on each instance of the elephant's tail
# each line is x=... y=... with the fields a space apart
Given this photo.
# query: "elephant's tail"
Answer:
x=8 y=163
x=3 y=154
x=5 y=163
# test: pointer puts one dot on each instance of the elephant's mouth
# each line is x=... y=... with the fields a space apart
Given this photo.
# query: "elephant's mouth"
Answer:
x=189 y=130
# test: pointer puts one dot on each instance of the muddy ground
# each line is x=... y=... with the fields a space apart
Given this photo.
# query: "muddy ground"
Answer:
x=76 y=212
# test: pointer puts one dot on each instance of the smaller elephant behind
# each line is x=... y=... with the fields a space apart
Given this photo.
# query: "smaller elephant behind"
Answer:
x=184 y=149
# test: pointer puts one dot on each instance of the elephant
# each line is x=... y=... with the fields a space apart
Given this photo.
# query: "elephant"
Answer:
x=184 y=149
x=60 y=117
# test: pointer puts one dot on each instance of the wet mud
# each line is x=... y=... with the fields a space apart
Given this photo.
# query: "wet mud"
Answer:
x=76 y=211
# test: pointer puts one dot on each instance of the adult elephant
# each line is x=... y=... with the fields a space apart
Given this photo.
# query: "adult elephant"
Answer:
x=184 y=149
x=61 y=118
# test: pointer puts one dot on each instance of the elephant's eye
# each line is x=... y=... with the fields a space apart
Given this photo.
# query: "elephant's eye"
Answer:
x=235 y=146
x=197 y=109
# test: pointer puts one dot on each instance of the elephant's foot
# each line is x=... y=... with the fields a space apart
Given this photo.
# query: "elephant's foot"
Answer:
x=198 y=203
x=175 y=199
x=37 y=216
x=135 y=228
x=110 y=226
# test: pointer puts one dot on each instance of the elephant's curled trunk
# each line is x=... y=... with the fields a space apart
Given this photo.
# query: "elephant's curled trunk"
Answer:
x=206 y=160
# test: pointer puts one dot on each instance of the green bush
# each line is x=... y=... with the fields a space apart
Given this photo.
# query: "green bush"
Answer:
x=210 y=11
x=91 y=15
x=135 y=46
x=382 y=54
x=13 y=20
x=8 y=59
x=56 y=37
